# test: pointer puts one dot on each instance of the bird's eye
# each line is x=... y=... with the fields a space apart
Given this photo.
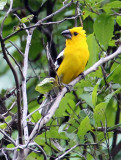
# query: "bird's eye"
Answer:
x=75 y=33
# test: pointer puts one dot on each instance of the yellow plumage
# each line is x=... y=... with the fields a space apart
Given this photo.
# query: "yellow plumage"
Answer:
x=72 y=63
x=76 y=55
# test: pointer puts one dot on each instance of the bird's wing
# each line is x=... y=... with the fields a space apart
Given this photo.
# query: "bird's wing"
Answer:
x=59 y=60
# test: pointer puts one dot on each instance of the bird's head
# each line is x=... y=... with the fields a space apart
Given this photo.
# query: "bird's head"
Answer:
x=74 y=33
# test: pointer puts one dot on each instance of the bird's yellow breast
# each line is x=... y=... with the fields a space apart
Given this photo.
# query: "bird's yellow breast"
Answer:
x=76 y=55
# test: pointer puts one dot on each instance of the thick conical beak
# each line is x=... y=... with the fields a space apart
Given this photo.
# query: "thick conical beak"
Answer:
x=67 y=34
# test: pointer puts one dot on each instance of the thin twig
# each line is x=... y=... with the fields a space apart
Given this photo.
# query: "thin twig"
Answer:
x=19 y=51
x=4 y=154
x=62 y=156
x=11 y=107
x=28 y=116
x=16 y=63
x=77 y=145
x=6 y=135
x=9 y=10
x=37 y=25
x=41 y=149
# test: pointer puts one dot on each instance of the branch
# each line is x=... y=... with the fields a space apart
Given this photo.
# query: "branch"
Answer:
x=19 y=51
x=9 y=10
x=37 y=25
x=24 y=91
x=4 y=154
x=60 y=95
x=15 y=63
x=58 y=22
x=77 y=145
x=6 y=135
x=14 y=73
x=44 y=19
x=53 y=14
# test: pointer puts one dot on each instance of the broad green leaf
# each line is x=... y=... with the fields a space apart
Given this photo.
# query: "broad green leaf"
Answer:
x=99 y=113
x=40 y=139
x=32 y=107
x=86 y=13
x=2 y=4
x=87 y=98
x=52 y=133
x=34 y=156
x=84 y=127
x=93 y=50
x=94 y=95
x=112 y=5
x=27 y=19
x=116 y=86
x=118 y=20
x=71 y=106
x=115 y=74
x=14 y=134
x=3 y=125
x=109 y=96
x=45 y=86
x=8 y=119
x=47 y=150
x=103 y=29
x=10 y=146
x=67 y=99
x=111 y=111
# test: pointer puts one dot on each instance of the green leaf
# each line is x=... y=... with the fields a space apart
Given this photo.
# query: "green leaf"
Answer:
x=3 y=125
x=67 y=99
x=109 y=96
x=1 y=136
x=52 y=133
x=84 y=127
x=115 y=74
x=14 y=134
x=45 y=86
x=2 y=4
x=87 y=98
x=111 y=111
x=99 y=113
x=8 y=119
x=109 y=6
x=27 y=19
x=103 y=29
x=94 y=95
x=71 y=106
x=40 y=139
x=32 y=107
x=118 y=20
x=93 y=50
x=34 y=156
x=10 y=146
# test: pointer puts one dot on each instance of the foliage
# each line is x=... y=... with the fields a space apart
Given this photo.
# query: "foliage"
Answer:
x=87 y=123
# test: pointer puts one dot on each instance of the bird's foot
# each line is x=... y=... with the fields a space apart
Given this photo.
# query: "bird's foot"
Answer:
x=68 y=87
x=83 y=76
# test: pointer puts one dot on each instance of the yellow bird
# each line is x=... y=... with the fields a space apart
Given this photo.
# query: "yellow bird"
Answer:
x=70 y=62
